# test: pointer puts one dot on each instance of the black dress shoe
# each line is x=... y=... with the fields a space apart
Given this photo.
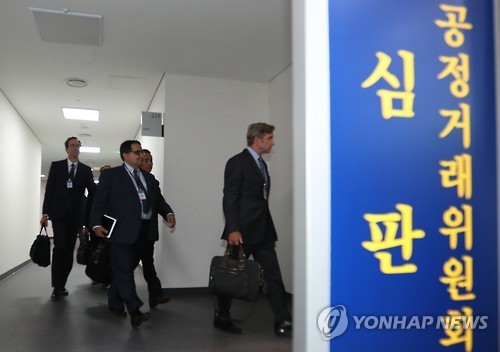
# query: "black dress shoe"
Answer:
x=153 y=302
x=58 y=293
x=226 y=325
x=282 y=328
x=137 y=318
x=118 y=312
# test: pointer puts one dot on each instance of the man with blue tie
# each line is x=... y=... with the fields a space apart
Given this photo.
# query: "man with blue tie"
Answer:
x=249 y=224
x=64 y=204
x=134 y=199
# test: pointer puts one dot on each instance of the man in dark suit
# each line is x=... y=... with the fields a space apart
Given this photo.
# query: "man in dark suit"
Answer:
x=249 y=223
x=147 y=259
x=134 y=199
x=64 y=204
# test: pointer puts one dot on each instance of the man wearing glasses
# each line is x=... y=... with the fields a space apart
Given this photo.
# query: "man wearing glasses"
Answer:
x=64 y=204
x=134 y=199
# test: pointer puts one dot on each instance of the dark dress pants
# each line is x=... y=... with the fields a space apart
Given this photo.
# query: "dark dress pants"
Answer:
x=265 y=255
x=124 y=260
x=149 y=271
x=65 y=235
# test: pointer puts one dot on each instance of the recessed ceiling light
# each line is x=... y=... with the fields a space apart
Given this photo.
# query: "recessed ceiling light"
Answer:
x=76 y=82
x=80 y=114
x=90 y=149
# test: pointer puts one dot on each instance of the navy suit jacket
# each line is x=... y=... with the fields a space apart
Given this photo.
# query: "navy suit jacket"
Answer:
x=68 y=204
x=117 y=197
x=245 y=208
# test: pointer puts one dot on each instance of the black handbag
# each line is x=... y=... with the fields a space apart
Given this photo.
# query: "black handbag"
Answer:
x=83 y=250
x=40 y=249
x=233 y=275
x=98 y=267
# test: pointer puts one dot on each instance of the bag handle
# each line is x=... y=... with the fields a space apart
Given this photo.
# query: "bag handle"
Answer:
x=229 y=254
x=44 y=228
x=230 y=251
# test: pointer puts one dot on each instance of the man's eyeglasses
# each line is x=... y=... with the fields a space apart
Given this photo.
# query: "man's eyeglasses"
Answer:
x=136 y=152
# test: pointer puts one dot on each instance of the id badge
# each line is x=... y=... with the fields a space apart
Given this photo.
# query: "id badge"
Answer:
x=69 y=184
x=142 y=194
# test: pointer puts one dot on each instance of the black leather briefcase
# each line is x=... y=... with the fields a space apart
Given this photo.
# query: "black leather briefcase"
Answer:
x=238 y=277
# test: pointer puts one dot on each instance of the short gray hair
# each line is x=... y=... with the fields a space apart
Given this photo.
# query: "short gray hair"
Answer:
x=258 y=129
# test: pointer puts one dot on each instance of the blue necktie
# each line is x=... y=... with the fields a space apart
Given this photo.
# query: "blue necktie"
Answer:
x=145 y=203
x=262 y=168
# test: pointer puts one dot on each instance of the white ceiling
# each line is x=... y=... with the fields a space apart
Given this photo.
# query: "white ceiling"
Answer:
x=246 y=40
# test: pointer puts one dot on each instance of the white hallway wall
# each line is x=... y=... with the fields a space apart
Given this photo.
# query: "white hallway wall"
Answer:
x=281 y=199
x=311 y=170
x=156 y=146
x=205 y=124
x=19 y=188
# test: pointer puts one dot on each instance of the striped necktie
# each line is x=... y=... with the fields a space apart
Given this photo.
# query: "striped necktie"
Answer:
x=263 y=171
x=262 y=168
x=72 y=172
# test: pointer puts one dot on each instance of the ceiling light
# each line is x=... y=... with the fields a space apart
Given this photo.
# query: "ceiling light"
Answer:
x=90 y=149
x=76 y=82
x=80 y=114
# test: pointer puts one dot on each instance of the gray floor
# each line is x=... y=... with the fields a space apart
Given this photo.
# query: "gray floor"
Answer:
x=30 y=321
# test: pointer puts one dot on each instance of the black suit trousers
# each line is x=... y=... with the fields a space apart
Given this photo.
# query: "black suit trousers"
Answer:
x=124 y=260
x=149 y=271
x=65 y=235
x=265 y=255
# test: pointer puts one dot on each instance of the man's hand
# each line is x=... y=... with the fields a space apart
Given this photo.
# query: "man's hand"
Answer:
x=235 y=238
x=44 y=221
x=100 y=231
x=171 y=220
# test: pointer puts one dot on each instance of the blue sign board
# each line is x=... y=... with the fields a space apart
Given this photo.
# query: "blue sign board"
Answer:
x=414 y=198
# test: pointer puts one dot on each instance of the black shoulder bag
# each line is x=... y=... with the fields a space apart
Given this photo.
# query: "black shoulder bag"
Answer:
x=40 y=249
x=98 y=267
